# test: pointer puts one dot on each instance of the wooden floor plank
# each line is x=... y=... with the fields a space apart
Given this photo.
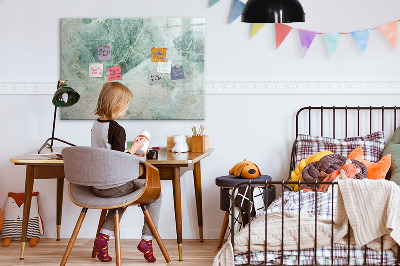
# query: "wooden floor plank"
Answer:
x=49 y=252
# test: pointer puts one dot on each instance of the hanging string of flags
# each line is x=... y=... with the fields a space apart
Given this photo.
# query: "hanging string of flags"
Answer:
x=361 y=37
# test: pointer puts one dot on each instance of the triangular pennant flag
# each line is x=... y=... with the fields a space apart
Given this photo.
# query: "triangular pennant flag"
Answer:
x=213 y=2
x=390 y=32
x=256 y=28
x=361 y=37
x=237 y=9
x=332 y=41
x=281 y=31
x=306 y=39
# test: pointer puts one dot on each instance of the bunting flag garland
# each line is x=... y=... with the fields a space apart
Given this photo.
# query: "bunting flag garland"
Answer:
x=389 y=30
x=306 y=39
x=237 y=9
x=361 y=37
x=213 y=2
x=281 y=31
x=256 y=28
x=332 y=41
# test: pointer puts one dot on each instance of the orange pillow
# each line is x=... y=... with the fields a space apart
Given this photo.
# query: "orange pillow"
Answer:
x=375 y=170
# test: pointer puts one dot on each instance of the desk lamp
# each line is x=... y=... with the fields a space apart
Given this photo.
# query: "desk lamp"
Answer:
x=273 y=11
x=63 y=97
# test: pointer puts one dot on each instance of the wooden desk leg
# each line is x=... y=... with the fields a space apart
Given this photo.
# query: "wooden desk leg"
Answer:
x=176 y=183
x=27 y=206
x=60 y=190
x=199 y=204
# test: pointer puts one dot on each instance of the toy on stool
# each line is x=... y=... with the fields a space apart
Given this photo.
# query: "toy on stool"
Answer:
x=13 y=215
x=245 y=169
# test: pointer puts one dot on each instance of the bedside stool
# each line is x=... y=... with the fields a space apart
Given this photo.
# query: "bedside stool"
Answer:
x=228 y=182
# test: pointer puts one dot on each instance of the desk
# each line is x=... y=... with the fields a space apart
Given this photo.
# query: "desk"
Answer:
x=169 y=165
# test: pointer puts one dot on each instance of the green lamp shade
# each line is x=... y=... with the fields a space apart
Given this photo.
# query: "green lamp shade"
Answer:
x=65 y=96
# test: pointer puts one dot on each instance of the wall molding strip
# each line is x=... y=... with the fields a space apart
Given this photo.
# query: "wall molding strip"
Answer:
x=250 y=87
x=304 y=87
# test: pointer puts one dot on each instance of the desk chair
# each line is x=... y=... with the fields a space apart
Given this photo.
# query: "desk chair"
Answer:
x=85 y=167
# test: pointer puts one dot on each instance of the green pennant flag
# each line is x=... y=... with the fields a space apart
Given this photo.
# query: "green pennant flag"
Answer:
x=213 y=2
x=332 y=41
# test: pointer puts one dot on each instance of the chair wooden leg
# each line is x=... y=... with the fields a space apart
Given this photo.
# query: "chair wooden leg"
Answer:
x=223 y=229
x=101 y=222
x=154 y=230
x=117 y=239
x=73 y=237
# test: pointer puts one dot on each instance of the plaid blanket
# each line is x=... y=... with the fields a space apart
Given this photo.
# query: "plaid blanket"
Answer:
x=324 y=257
x=323 y=205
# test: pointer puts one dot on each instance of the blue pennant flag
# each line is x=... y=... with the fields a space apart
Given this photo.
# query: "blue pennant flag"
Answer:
x=361 y=37
x=213 y=2
x=332 y=41
x=237 y=9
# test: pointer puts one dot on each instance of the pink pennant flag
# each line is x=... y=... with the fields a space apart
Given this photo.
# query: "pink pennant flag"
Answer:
x=306 y=39
x=389 y=30
x=281 y=31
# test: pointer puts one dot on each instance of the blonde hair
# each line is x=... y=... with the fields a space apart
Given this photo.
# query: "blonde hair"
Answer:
x=113 y=98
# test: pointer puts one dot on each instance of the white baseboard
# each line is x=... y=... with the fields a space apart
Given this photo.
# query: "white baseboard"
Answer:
x=135 y=234
x=249 y=87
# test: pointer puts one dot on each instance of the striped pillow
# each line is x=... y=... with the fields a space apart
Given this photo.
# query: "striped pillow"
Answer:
x=13 y=228
x=372 y=145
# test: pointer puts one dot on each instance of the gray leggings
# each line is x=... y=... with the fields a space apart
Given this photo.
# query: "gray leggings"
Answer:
x=154 y=208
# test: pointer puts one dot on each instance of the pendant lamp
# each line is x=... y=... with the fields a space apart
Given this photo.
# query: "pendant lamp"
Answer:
x=272 y=11
x=63 y=97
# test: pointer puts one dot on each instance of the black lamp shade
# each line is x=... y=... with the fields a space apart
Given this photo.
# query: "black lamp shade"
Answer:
x=273 y=11
x=71 y=99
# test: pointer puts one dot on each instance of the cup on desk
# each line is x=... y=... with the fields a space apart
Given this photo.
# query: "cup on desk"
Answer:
x=152 y=155
x=200 y=143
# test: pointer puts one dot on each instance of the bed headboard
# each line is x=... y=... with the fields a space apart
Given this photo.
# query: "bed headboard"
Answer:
x=344 y=117
x=344 y=121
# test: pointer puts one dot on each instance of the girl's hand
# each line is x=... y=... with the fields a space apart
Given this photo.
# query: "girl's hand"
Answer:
x=137 y=144
x=143 y=155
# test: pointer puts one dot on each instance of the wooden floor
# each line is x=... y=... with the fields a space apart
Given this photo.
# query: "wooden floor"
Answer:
x=50 y=252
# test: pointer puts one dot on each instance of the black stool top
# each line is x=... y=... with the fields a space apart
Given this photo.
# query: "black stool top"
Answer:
x=230 y=181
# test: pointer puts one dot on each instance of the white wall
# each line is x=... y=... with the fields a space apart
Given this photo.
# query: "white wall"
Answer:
x=259 y=127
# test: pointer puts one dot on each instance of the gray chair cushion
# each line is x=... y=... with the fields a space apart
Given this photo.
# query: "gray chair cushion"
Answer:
x=99 y=167
x=84 y=196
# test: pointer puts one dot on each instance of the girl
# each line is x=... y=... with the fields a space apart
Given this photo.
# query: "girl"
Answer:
x=112 y=104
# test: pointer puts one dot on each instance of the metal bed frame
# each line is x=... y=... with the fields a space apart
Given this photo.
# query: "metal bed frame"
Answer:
x=283 y=184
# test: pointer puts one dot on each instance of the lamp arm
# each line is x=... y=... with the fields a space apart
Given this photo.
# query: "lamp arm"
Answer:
x=54 y=126
x=54 y=118
x=46 y=143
